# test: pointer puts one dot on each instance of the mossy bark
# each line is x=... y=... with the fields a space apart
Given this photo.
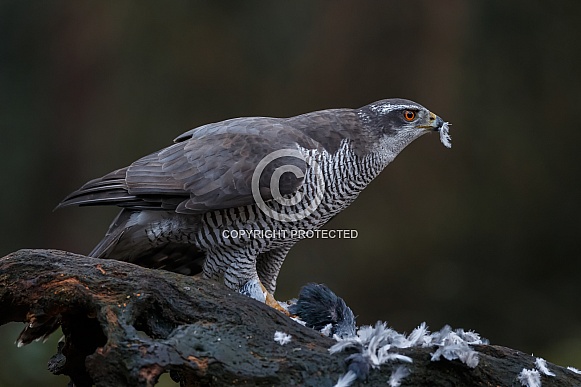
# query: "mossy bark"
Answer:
x=126 y=325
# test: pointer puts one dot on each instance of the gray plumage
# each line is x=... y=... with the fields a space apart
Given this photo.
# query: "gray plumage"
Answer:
x=318 y=306
x=178 y=204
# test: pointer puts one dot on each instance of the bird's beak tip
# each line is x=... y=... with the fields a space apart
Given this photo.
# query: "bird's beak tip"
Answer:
x=439 y=124
x=435 y=123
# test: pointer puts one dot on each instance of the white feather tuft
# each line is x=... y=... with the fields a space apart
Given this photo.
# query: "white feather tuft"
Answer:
x=299 y=321
x=541 y=365
x=573 y=369
x=346 y=380
x=419 y=336
x=529 y=378
x=326 y=330
x=445 y=137
x=397 y=376
x=282 y=338
x=456 y=345
x=376 y=344
x=379 y=344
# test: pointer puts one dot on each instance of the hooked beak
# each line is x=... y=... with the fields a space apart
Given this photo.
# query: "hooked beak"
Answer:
x=436 y=123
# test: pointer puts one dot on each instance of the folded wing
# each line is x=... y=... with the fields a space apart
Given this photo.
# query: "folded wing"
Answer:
x=207 y=168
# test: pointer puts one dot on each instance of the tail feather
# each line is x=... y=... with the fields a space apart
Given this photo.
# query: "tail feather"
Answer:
x=109 y=189
x=107 y=245
x=126 y=238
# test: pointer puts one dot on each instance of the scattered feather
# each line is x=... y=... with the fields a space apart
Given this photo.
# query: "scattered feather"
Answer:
x=419 y=336
x=456 y=345
x=346 y=380
x=298 y=320
x=359 y=364
x=541 y=365
x=327 y=329
x=379 y=344
x=376 y=346
x=282 y=338
x=397 y=376
x=529 y=378
x=445 y=137
x=573 y=369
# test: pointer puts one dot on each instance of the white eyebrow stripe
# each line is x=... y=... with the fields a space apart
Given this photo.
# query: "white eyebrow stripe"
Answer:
x=382 y=109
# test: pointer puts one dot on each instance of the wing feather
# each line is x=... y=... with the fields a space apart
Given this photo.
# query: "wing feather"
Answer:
x=211 y=167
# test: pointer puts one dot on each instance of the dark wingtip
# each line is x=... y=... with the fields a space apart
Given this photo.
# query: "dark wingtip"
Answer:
x=64 y=203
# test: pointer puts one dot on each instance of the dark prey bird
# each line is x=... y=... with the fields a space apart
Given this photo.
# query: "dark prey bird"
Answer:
x=229 y=199
x=318 y=307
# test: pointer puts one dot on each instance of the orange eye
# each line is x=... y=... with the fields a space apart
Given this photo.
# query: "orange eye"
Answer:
x=409 y=115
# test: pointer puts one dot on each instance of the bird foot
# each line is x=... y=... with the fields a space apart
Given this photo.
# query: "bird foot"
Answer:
x=273 y=303
x=255 y=289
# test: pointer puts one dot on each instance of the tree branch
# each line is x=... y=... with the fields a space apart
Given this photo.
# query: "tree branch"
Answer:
x=126 y=325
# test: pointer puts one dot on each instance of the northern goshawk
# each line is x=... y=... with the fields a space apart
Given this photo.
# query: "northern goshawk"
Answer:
x=227 y=198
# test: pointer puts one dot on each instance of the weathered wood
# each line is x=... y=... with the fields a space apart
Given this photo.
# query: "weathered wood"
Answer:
x=126 y=325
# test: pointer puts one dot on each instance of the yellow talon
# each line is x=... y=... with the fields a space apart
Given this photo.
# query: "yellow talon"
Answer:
x=272 y=302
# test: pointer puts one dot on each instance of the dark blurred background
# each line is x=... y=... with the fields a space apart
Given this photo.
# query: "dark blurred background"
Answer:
x=484 y=236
